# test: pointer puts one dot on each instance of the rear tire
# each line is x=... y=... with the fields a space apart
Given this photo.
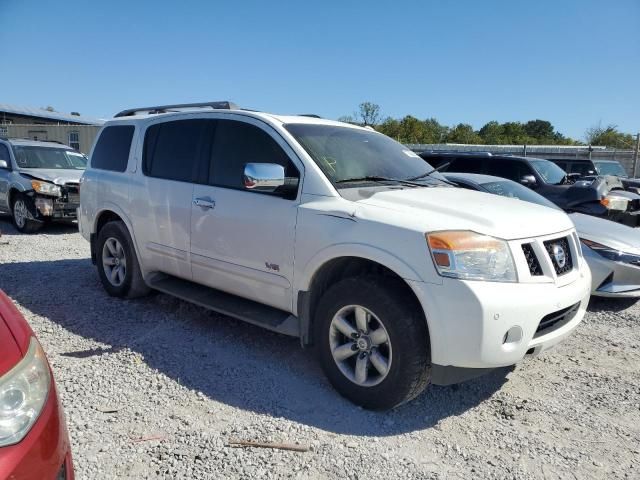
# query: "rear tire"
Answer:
x=384 y=364
x=22 y=213
x=117 y=262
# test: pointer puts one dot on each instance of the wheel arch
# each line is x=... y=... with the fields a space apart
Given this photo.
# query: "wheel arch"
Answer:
x=111 y=213
x=337 y=268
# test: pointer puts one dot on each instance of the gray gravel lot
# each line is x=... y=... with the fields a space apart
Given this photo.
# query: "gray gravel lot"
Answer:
x=156 y=387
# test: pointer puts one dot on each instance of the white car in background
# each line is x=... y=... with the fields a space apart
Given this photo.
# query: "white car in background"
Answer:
x=611 y=249
x=332 y=233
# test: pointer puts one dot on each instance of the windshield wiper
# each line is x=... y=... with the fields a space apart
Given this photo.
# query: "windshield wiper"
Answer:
x=377 y=179
x=430 y=172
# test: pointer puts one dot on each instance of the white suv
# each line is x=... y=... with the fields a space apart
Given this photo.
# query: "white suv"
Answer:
x=332 y=233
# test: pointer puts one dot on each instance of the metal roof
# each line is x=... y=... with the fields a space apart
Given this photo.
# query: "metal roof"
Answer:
x=42 y=113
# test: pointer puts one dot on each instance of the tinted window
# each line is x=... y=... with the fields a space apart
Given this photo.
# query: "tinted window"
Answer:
x=236 y=144
x=466 y=165
x=581 y=168
x=511 y=169
x=4 y=154
x=112 y=150
x=172 y=149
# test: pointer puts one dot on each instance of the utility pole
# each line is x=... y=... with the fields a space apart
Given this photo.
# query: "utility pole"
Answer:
x=636 y=153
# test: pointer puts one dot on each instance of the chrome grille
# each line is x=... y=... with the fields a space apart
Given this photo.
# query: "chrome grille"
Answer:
x=560 y=255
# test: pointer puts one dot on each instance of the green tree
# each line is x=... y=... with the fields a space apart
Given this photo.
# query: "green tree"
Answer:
x=463 y=133
x=492 y=133
x=608 y=137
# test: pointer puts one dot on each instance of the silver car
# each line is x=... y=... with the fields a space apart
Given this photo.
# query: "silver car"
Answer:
x=611 y=249
x=39 y=182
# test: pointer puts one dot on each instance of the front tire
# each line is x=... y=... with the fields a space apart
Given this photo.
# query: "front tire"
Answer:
x=372 y=342
x=117 y=262
x=22 y=209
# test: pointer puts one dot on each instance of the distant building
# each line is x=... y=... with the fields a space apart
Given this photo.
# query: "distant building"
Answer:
x=72 y=129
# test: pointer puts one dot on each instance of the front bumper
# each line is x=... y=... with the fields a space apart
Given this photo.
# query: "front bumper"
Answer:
x=45 y=452
x=57 y=208
x=485 y=325
x=610 y=278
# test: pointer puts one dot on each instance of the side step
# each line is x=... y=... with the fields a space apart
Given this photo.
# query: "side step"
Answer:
x=247 y=310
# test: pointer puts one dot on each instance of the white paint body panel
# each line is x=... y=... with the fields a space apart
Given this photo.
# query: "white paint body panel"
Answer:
x=235 y=245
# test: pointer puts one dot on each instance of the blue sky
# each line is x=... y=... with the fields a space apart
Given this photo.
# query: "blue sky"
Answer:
x=572 y=62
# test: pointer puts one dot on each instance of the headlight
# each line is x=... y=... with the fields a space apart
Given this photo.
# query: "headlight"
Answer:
x=614 y=202
x=23 y=393
x=471 y=256
x=46 y=188
x=612 y=253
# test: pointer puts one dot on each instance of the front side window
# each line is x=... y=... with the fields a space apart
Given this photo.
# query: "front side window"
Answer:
x=172 y=150
x=4 y=154
x=237 y=143
x=350 y=154
x=45 y=157
x=549 y=171
x=112 y=149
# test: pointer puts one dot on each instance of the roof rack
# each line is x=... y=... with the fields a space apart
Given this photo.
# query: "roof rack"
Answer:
x=312 y=115
x=224 y=105
x=458 y=153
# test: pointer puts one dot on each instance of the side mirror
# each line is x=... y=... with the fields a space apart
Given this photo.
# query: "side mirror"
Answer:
x=4 y=164
x=528 y=181
x=263 y=177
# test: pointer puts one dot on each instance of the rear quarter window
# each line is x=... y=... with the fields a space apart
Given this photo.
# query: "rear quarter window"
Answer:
x=112 y=149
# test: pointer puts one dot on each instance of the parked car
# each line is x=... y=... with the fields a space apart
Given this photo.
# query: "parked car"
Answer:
x=39 y=182
x=332 y=233
x=612 y=250
x=34 y=443
x=610 y=167
x=603 y=197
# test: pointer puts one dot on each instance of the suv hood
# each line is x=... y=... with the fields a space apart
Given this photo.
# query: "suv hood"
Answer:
x=444 y=208
x=59 y=176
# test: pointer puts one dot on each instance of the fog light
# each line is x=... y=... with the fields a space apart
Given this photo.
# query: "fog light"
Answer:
x=512 y=338
x=44 y=206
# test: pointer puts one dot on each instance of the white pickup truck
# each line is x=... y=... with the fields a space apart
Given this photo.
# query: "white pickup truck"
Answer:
x=332 y=233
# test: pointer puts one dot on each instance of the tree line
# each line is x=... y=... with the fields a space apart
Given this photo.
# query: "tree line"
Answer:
x=410 y=129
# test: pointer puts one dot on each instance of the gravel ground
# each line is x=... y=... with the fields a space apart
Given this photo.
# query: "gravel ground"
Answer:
x=156 y=387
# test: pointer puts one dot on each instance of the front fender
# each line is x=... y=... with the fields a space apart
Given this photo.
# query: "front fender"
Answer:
x=375 y=254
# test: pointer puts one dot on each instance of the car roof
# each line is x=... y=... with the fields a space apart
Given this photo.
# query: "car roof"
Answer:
x=36 y=143
x=605 y=161
x=269 y=117
x=487 y=155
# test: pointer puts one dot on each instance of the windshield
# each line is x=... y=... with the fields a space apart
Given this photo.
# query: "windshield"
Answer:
x=610 y=168
x=550 y=172
x=45 y=157
x=349 y=155
x=510 y=189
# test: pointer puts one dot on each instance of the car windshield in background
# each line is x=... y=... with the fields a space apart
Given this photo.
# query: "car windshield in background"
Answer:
x=349 y=155
x=610 y=168
x=515 y=190
x=550 y=172
x=45 y=157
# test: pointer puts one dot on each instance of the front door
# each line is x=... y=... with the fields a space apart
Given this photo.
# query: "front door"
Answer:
x=242 y=242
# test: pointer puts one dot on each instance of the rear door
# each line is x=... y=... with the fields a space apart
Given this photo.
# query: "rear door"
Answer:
x=161 y=198
x=242 y=241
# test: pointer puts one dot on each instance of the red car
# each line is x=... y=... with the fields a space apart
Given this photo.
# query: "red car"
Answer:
x=34 y=443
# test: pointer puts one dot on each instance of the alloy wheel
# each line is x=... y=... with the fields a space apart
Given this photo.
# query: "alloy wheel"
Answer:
x=360 y=345
x=114 y=261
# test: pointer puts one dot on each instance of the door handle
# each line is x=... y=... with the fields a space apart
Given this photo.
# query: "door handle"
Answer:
x=204 y=203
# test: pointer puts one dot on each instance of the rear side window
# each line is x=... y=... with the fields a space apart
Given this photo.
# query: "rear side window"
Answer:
x=238 y=143
x=466 y=165
x=511 y=169
x=112 y=150
x=172 y=149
